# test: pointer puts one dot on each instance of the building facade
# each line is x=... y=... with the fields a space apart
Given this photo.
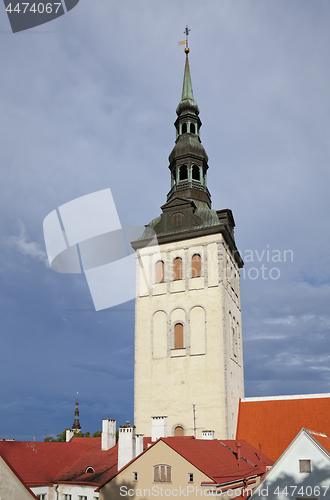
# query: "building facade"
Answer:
x=188 y=336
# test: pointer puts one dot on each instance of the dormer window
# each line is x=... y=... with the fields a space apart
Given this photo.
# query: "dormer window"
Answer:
x=183 y=173
x=90 y=470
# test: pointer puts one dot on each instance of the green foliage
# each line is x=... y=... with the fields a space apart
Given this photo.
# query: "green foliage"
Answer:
x=61 y=438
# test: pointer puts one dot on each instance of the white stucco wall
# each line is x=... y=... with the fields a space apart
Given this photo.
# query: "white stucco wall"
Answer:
x=205 y=372
x=284 y=480
x=11 y=487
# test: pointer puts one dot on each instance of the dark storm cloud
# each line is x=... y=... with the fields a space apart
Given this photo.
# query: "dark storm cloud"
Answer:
x=91 y=106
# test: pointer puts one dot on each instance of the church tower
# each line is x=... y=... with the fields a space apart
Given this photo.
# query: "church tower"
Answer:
x=188 y=337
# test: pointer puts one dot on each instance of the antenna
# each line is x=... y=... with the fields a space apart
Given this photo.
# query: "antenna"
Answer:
x=194 y=410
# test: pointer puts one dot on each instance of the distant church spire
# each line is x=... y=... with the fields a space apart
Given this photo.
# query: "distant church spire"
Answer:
x=76 y=424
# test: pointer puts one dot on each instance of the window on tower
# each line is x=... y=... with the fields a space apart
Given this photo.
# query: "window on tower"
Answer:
x=196 y=262
x=196 y=173
x=192 y=128
x=160 y=274
x=177 y=269
x=183 y=173
x=178 y=336
x=184 y=128
x=179 y=431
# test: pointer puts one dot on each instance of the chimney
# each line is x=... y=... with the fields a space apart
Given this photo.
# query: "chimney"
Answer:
x=207 y=434
x=126 y=444
x=139 y=444
x=158 y=428
x=238 y=452
x=68 y=434
x=108 y=439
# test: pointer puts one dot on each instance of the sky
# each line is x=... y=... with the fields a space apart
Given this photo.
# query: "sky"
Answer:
x=87 y=103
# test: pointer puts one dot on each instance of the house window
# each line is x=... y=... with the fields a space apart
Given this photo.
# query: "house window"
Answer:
x=177 y=269
x=196 y=266
x=82 y=497
x=305 y=466
x=162 y=474
x=90 y=470
x=178 y=336
x=190 y=478
x=66 y=497
x=160 y=272
x=135 y=476
x=42 y=496
x=179 y=431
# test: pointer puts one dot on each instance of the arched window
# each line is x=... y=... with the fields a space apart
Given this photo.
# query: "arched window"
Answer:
x=192 y=128
x=183 y=173
x=196 y=173
x=160 y=272
x=177 y=269
x=196 y=266
x=90 y=470
x=184 y=128
x=162 y=473
x=178 y=431
x=178 y=336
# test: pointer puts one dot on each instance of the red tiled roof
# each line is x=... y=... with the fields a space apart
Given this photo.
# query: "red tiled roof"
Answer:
x=40 y=463
x=218 y=459
x=276 y=422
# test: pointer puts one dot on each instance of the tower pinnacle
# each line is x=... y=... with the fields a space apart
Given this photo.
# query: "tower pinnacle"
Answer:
x=76 y=424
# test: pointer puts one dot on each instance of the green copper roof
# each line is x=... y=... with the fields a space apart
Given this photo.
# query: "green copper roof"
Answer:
x=187 y=91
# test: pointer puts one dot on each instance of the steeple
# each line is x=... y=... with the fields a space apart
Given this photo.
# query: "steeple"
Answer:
x=76 y=425
x=188 y=159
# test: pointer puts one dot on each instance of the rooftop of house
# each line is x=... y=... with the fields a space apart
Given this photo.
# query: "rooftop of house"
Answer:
x=40 y=463
x=275 y=421
x=222 y=461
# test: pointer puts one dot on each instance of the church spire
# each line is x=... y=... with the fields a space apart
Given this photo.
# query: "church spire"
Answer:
x=187 y=91
x=188 y=159
x=76 y=424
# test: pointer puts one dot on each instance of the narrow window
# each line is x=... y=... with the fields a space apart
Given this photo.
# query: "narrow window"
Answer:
x=196 y=173
x=305 y=466
x=178 y=337
x=177 y=269
x=162 y=474
x=184 y=128
x=177 y=220
x=192 y=128
x=135 y=476
x=178 y=431
x=196 y=266
x=183 y=173
x=190 y=478
x=160 y=272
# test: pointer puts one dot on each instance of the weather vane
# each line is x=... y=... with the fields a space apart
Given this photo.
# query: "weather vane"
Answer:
x=185 y=42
